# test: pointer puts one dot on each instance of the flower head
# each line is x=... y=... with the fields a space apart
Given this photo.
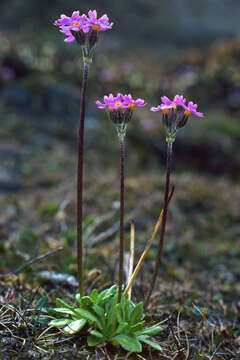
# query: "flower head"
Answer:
x=175 y=114
x=82 y=23
x=112 y=102
x=120 y=109
x=120 y=102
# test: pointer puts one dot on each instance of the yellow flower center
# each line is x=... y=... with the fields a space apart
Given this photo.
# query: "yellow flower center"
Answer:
x=77 y=23
x=118 y=103
x=96 y=27
x=131 y=105
x=187 y=113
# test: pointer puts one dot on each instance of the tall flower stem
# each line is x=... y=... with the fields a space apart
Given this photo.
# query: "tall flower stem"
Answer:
x=164 y=221
x=80 y=177
x=121 y=250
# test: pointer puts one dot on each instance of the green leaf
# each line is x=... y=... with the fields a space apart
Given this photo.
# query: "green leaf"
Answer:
x=99 y=311
x=105 y=299
x=86 y=314
x=137 y=327
x=74 y=326
x=129 y=342
x=97 y=334
x=94 y=295
x=101 y=314
x=111 y=303
x=136 y=313
x=85 y=301
x=153 y=344
x=150 y=331
x=63 y=311
x=111 y=318
x=64 y=304
x=78 y=298
x=106 y=294
x=126 y=311
x=93 y=340
x=121 y=328
x=42 y=302
x=59 y=322
x=119 y=313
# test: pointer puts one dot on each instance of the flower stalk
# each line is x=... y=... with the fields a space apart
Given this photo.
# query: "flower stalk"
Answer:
x=80 y=177
x=120 y=110
x=164 y=221
x=175 y=115
x=85 y=30
x=122 y=185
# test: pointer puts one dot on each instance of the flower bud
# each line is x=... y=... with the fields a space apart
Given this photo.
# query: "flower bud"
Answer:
x=80 y=36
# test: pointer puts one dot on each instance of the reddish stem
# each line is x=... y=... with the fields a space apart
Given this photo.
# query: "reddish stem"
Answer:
x=164 y=221
x=121 y=249
x=80 y=178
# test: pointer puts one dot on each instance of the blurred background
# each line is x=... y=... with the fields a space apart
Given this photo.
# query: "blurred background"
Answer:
x=156 y=48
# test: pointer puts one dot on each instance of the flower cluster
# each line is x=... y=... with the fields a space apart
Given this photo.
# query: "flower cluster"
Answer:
x=120 y=102
x=77 y=25
x=120 y=109
x=176 y=113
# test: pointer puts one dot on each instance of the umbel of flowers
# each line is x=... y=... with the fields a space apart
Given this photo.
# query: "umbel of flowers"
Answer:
x=120 y=109
x=84 y=29
x=175 y=114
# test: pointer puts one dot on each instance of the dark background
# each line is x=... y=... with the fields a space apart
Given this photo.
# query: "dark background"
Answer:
x=154 y=48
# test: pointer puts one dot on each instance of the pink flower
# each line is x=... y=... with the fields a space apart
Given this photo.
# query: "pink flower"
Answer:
x=73 y=23
x=84 y=23
x=101 y=24
x=191 y=109
x=120 y=102
x=167 y=104
x=175 y=114
x=112 y=102
x=128 y=100
x=178 y=100
x=162 y=107
x=120 y=108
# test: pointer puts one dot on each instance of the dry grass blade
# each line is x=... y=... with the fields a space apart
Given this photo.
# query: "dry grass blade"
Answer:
x=131 y=261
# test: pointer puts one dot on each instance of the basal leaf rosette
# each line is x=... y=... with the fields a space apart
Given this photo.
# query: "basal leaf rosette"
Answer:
x=106 y=320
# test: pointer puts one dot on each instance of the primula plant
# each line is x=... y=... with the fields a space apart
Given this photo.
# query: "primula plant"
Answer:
x=175 y=114
x=106 y=320
x=120 y=110
x=85 y=30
